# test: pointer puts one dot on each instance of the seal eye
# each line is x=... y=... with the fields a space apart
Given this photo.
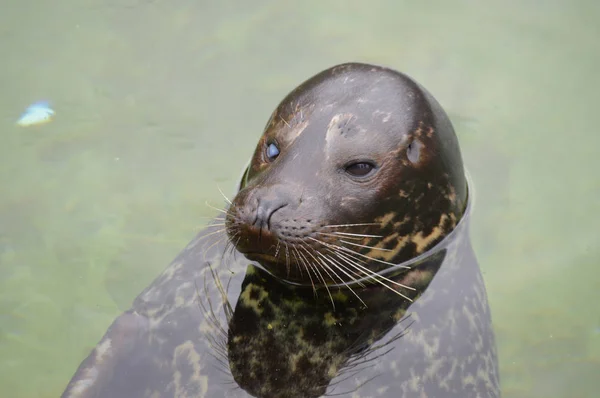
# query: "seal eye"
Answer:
x=272 y=152
x=360 y=169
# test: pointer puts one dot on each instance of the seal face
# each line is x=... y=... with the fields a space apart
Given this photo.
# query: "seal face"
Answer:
x=358 y=169
x=356 y=188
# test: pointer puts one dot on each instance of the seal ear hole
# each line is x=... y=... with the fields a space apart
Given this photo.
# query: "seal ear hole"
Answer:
x=360 y=169
x=413 y=151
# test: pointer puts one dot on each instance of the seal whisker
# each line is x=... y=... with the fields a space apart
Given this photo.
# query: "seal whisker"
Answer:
x=217 y=343
x=350 y=234
x=277 y=248
x=359 y=254
x=376 y=277
x=221 y=289
x=337 y=236
x=210 y=219
x=220 y=354
x=203 y=237
x=220 y=223
x=346 y=270
x=352 y=263
x=341 y=279
x=215 y=225
x=221 y=365
x=359 y=275
x=308 y=269
x=327 y=267
x=325 y=283
x=347 y=392
x=357 y=361
x=295 y=259
x=232 y=248
x=211 y=233
x=216 y=208
x=215 y=243
x=287 y=258
x=212 y=316
x=365 y=246
x=355 y=365
x=299 y=259
x=318 y=274
x=229 y=248
x=341 y=267
x=222 y=194
x=301 y=247
x=369 y=272
x=235 y=387
x=349 y=225
x=346 y=249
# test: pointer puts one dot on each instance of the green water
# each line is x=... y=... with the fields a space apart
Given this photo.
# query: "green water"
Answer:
x=158 y=103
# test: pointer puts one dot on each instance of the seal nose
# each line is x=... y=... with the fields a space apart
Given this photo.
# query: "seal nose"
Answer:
x=265 y=209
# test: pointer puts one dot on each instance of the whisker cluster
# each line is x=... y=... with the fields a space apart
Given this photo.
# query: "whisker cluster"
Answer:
x=331 y=255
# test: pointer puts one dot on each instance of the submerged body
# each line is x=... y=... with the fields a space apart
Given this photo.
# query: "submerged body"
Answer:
x=343 y=265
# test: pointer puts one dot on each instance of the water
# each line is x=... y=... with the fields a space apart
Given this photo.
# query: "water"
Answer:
x=159 y=103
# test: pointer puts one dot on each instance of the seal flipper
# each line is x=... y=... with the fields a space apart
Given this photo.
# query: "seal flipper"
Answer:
x=97 y=370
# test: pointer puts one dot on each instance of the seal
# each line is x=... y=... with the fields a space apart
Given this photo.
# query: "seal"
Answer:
x=342 y=266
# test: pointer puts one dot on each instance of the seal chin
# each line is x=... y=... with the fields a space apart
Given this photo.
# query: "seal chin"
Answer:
x=281 y=268
x=256 y=240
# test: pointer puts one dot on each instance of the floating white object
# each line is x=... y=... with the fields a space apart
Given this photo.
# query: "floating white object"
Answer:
x=37 y=113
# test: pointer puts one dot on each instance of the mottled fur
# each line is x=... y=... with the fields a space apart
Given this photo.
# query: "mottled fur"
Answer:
x=297 y=299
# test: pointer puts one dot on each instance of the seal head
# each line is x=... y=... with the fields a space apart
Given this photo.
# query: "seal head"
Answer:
x=358 y=169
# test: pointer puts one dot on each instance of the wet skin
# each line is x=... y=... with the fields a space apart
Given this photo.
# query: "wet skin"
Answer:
x=343 y=265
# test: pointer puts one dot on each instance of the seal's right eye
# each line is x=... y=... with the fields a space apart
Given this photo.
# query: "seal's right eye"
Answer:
x=272 y=151
x=360 y=169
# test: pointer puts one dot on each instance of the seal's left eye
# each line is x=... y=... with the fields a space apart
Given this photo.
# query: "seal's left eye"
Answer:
x=272 y=151
x=360 y=169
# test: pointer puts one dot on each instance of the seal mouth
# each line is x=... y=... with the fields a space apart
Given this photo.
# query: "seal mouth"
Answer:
x=260 y=257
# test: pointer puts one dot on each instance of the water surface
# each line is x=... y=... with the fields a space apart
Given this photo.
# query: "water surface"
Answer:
x=159 y=103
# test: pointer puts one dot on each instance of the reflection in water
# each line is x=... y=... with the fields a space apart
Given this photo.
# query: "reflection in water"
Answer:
x=284 y=342
x=236 y=330
x=144 y=81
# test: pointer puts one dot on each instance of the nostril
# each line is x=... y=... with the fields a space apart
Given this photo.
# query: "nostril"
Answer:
x=271 y=215
x=264 y=212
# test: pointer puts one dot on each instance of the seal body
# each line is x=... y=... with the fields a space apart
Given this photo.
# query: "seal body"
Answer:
x=342 y=265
